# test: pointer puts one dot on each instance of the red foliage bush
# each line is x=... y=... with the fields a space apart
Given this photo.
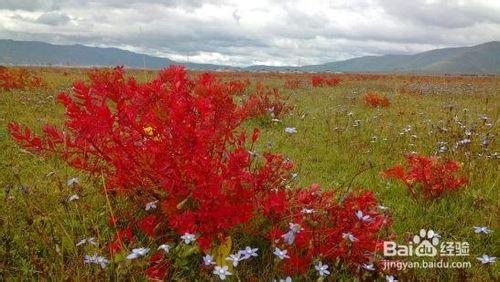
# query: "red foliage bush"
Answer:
x=325 y=226
x=171 y=148
x=431 y=174
x=238 y=87
x=265 y=101
x=293 y=84
x=18 y=79
x=322 y=81
x=374 y=99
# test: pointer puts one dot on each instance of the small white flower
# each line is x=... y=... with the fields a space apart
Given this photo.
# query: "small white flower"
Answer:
x=482 y=229
x=73 y=181
x=188 y=238
x=369 y=266
x=164 y=247
x=289 y=237
x=235 y=258
x=485 y=259
x=137 y=253
x=363 y=217
x=322 y=269
x=102 y=261
x=307 y=211
x=382 y=208
x=291 y=130
x=73 y=197
x=222 y=272
x=90 y=240
x=151 y=205
x=208 y=260
x=287 y=279
x=281 y=254
x=390 y=278
x=295 y=227
x=464 y=142
x=248 y=252
x=349 y=236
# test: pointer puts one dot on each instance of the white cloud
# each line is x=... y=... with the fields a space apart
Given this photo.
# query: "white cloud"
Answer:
x=258 y=31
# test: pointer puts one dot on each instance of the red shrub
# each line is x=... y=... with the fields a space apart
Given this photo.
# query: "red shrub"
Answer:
x=18 y=79
x=238 y=87
x=265 y=101
x=324 y=225
x=293 y=84
x=373 y=99
x=171 y=145
x=322 y=81
x=432 y=175
x=171 y=139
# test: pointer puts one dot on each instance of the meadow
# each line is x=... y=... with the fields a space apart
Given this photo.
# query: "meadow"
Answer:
x=339 y=142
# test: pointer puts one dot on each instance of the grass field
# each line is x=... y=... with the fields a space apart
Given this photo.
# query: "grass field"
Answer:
x=340 y=143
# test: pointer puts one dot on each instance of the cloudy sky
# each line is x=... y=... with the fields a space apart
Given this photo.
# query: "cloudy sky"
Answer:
x=245 y=32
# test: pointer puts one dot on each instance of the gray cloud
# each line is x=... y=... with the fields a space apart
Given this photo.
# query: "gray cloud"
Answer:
x=255 y=32
x=53 y=18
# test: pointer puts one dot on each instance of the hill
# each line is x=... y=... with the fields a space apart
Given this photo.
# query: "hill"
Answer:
x=479 y=59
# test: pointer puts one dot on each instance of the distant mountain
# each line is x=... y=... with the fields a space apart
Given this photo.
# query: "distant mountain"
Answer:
x=479 y=59
x=41 y=53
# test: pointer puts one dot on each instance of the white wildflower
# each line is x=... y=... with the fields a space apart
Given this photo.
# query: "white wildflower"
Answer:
x=322 y=269
x=208 y=260
x=222 y=272
x=188 y=238
x=248 y=252
x=482 y=229
x=164 y=247
x=485 y=259
x=151 y=205
x=281 y=254
x=137 y=253
x=73 y=197
x=291 y=130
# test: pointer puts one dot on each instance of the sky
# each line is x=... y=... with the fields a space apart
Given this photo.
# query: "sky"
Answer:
x=250 y=32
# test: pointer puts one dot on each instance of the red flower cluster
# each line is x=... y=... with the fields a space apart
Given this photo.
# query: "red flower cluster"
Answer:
x=431 y=174
x=170 y=147
x=374 y=99
x=322 y=81
x=11 y=79
x=265 y=101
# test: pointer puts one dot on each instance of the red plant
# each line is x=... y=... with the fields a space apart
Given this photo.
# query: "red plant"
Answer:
x=238 y=87
x=329 y=230
x=373 y=99
x=322 y=81
x=172 y=139
x=170 y=147
x=293 y=84
x=431 y=174
x=18 y=79
x=265 y=101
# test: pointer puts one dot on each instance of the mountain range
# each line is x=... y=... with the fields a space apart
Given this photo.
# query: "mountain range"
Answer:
x=478 y=59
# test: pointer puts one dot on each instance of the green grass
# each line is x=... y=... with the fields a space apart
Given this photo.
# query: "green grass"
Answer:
x=39 y=228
